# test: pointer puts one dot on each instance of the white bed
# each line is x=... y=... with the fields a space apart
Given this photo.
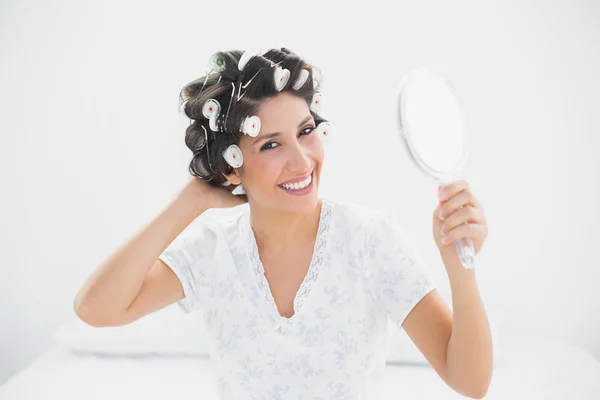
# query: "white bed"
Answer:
x=161 y=356
x=570 y=374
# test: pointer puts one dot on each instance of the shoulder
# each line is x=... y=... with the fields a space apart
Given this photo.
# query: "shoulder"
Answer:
x=227 y=226
x=224 y=219
x=348 y=215
x=210 y=227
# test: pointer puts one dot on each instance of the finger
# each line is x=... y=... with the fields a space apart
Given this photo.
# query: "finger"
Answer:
x=472 y=231
x=452 y=189
x=437 y=210
x=465 y=215
x=461 y=199
x=457 y=184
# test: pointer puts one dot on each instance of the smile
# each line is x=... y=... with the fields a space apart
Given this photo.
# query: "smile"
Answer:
x=299 y=187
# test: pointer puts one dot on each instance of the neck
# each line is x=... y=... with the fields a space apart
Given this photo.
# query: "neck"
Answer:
x=277 y=230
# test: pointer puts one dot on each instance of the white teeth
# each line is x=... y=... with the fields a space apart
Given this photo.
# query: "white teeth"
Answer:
x=298 y=185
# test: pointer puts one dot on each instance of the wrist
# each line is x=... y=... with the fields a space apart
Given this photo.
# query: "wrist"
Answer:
x=458 y=275
x=195 y=198
x=453 y=264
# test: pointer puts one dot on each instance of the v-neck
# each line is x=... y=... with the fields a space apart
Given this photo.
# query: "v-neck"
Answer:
x=311 y=274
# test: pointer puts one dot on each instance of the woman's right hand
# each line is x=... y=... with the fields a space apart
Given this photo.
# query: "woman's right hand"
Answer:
x=211 y=195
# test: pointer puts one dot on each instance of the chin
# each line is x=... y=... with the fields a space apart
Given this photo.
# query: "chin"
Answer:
x=307 y=205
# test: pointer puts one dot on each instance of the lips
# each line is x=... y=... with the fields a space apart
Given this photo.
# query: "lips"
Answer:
x=297 y=180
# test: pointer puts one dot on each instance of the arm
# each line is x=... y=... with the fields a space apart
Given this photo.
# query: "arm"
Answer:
x=113 y=286
x=460 y=351
x=457 y=344
x=469 y=362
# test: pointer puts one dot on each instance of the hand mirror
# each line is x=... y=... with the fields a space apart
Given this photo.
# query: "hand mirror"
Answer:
x=432 y=129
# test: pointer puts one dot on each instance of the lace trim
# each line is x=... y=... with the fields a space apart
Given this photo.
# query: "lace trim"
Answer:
x=313 y=268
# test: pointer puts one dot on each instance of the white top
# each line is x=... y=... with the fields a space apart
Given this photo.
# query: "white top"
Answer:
x=364 y=268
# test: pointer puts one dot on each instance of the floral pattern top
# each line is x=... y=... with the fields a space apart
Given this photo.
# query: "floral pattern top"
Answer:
x=364 y=268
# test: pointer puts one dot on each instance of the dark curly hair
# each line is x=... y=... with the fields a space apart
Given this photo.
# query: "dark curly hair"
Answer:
x=218 y=86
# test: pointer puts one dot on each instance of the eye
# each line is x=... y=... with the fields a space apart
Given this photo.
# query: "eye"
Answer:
x=309 y=129
x=266 y=146
x=305 y=131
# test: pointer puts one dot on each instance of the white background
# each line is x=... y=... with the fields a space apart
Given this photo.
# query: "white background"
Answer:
x=91 y=144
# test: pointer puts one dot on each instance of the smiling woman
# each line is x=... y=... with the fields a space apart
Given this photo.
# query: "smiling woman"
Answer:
x=296 y=289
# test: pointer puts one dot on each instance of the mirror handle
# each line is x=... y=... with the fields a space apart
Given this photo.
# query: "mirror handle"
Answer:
x=464 y=247
x=466 y=252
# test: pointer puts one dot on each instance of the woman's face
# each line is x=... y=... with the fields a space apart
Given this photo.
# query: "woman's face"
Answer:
x=286 y=150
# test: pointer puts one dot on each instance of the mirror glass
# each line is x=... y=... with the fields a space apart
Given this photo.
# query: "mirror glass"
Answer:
x=431 y=122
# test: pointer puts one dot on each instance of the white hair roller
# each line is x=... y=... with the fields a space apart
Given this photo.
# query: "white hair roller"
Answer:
x=233 y=156
x=210 y=108
x=182 y=106
x=316 y=102
x=325 y=130
x=248 y=54
x=239 y=189
x=251 y=126
x=281 y=77
x=213 y=122
x=302 y=78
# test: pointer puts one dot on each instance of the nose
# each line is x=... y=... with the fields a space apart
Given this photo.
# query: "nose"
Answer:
x=299 y=160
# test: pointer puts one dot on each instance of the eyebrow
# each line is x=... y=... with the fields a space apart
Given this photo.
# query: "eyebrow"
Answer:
x=270 y=135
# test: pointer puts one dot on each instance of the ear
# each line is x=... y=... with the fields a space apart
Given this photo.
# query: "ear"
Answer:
x=234 y=177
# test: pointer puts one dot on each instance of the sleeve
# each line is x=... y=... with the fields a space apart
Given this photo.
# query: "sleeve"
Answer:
x=189 y=256
x=397 y=275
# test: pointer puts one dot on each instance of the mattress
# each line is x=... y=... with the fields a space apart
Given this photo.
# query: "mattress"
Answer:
x=531 y=370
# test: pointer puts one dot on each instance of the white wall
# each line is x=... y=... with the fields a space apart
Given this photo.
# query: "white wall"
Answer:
x=91 y=145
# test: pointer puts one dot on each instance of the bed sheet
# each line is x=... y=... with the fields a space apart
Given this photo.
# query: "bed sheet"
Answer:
x=535 y=370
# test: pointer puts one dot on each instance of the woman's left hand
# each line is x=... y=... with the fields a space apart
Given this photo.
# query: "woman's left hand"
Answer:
x=453 y=218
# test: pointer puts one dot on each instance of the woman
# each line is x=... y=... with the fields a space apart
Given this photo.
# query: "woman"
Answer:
x=295 y=289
